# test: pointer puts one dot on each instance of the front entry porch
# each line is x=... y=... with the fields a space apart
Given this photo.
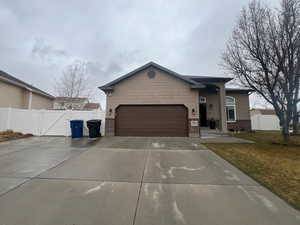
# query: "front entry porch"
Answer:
x=212 y=108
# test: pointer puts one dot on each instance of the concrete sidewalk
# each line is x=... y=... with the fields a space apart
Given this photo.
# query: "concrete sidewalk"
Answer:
x=129 y=181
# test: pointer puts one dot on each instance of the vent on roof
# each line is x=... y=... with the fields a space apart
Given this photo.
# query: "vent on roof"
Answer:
x=151 y=74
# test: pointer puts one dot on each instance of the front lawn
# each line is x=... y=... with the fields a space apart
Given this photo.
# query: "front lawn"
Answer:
x=268 y=160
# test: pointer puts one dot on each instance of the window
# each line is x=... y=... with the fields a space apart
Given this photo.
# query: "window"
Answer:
x=230 y=109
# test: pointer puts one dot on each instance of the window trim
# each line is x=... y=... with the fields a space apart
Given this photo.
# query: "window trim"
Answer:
x=231 y=105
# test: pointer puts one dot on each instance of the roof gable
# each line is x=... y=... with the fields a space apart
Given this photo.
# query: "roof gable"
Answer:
x=110 y=85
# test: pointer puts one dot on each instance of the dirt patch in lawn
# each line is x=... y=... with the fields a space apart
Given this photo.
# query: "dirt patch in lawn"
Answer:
x=11 y=135
x=271 y=162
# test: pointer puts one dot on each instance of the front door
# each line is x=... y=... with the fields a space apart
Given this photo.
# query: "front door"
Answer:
x=203 y=116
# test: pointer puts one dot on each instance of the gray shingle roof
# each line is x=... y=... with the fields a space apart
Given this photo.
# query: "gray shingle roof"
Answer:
x=194 y=81
x=69 y=99
x=17 y=82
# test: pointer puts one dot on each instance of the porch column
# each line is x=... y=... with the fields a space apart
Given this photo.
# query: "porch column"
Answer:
x=222 y=99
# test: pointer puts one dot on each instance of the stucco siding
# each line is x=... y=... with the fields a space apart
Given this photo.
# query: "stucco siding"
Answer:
x=40 y=102
x=212 y=105
x=242 y=106
x=162 y=89
x=11 y=96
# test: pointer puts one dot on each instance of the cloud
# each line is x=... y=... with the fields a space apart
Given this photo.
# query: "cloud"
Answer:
x=46 y=52
x=39 y=39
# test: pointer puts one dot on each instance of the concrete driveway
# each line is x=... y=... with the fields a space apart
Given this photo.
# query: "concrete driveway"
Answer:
x=141 y=181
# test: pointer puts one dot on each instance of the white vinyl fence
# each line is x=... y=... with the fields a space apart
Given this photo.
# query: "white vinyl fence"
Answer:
x=265 y=122
x=46 y=122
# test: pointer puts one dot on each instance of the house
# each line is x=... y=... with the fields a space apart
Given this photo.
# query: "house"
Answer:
x=15 y=93
x=63 y=103
x=92 y=106
x=155 y=101
x=264 y=119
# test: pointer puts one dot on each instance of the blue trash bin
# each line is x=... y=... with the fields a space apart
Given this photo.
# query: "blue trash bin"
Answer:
x=76 y=128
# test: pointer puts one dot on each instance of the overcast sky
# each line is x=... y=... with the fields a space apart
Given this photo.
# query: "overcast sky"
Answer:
x=38 y=39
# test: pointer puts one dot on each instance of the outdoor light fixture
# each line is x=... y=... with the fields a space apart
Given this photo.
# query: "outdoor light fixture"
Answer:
x=110 y=111
x=193 y=111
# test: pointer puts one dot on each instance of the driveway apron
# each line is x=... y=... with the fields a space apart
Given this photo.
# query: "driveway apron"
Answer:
x=129 y=181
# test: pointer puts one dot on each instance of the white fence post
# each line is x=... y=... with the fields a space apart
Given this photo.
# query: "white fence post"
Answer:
x=39 y=128
x=8 y=118
x=69 y=117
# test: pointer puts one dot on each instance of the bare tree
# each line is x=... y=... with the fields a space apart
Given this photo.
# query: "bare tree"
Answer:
x=74 y=81
x=296 y=111
x=264 y=54
x=259 y=102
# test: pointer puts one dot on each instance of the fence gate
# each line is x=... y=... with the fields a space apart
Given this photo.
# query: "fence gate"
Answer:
x=46 y=122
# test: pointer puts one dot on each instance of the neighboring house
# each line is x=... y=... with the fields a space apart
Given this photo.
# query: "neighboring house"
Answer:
x=92 y=106
x=264 y=119
x=155 y=101
x=15 y=93
x=63 y=103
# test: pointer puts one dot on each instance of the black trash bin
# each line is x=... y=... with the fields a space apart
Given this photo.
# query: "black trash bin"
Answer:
x=94 y=128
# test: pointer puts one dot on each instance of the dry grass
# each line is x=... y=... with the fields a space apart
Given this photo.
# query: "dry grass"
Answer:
x=269 y=160
x=10 y=135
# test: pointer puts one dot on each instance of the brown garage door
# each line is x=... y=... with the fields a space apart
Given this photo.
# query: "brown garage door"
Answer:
x=151 y=120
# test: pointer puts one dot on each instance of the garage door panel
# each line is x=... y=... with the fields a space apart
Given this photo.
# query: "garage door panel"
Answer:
x=159 y=120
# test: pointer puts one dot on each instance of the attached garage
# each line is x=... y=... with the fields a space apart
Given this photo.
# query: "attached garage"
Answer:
x=152 y=120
